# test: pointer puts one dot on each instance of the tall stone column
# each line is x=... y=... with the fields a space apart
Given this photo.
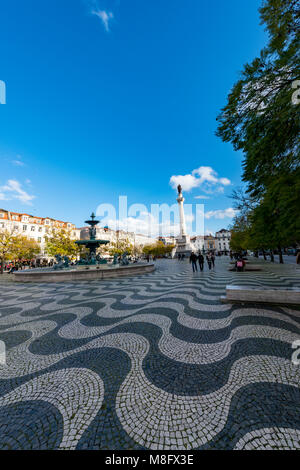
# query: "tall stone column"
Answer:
x=183 y=241
x=180 y=201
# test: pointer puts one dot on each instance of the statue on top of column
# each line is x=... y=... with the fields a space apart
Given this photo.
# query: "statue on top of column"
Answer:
x=179 y=188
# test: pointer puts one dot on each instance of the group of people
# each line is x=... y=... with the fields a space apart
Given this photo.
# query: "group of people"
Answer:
x=13 y=266
x=194 y=259
x=237 y=254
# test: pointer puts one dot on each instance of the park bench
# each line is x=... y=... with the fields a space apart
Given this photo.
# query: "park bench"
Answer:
x=266 y=294
x=248 y=267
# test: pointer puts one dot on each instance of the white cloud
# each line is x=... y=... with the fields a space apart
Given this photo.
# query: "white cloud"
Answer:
x=150 y=227
x=221 y=214
x=204 y=177
x=145 y=224
x=225 y=181
x=202 y=197
x=149 y=224
x=13 y=190
x=18 y=161
x=187 y=182
x=105 y=17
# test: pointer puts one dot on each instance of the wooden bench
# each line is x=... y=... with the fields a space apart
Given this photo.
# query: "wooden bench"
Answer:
x=266 y=294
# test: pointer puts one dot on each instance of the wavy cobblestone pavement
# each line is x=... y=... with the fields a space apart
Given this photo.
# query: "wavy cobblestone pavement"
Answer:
x=149 y=362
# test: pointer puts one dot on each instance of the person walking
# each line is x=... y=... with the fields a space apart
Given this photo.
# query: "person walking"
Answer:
x=208 y=259
x=193 y=260
x=213 y=260
x=201 y=261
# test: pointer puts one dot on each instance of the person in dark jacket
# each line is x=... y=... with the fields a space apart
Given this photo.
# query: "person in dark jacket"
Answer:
x=193 y=260
x=201 y=261
x=208 y=259
x=213 y=260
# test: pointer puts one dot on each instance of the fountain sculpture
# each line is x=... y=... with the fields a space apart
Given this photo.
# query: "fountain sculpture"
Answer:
x=92 y=244
x=88 y=267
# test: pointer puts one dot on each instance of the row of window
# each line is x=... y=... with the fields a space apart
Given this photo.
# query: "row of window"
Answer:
x=32 y=229
x=31 y=220
x=40 y=229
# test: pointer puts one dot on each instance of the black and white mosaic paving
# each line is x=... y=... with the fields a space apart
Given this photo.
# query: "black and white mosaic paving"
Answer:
x=150 y=362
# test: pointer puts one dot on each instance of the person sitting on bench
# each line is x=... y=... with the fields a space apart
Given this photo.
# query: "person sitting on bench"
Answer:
x=240 y=264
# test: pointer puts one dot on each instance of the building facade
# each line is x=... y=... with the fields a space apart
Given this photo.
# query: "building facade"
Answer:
x=197 y=243
x=210 y=243
x=218 y=243
x=34 y=227
x=223 y=238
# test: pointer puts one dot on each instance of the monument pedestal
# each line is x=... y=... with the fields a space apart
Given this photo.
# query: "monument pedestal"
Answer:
x=184 y=246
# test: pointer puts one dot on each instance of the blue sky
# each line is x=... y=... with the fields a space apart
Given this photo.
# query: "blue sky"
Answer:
x=109 y=98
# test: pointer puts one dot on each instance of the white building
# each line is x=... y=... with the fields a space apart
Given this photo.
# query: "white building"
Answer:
x=197 y=243
x=34 y=227
x=219 y=242
x=223 y=238
x=142 y=240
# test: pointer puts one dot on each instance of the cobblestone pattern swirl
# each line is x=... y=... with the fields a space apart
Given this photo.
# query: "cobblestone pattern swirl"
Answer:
x=150 y=362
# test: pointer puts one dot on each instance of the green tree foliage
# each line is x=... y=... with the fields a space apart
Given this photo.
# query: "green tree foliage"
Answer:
x=169 y=249
x=240 y=233
x=119 y=247
x=261 y=119
x=101 y=250
x=24 y=248
x=276 y=219
x=273 y=223
x=158 y=249
x=59 y=242
x=7 y=240
x=15 y=247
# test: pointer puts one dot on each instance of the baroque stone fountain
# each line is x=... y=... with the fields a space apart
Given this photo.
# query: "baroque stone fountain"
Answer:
x=92 y=244
x=90 y=266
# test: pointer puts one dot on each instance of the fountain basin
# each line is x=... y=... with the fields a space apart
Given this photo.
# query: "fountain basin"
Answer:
x=92 y=273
